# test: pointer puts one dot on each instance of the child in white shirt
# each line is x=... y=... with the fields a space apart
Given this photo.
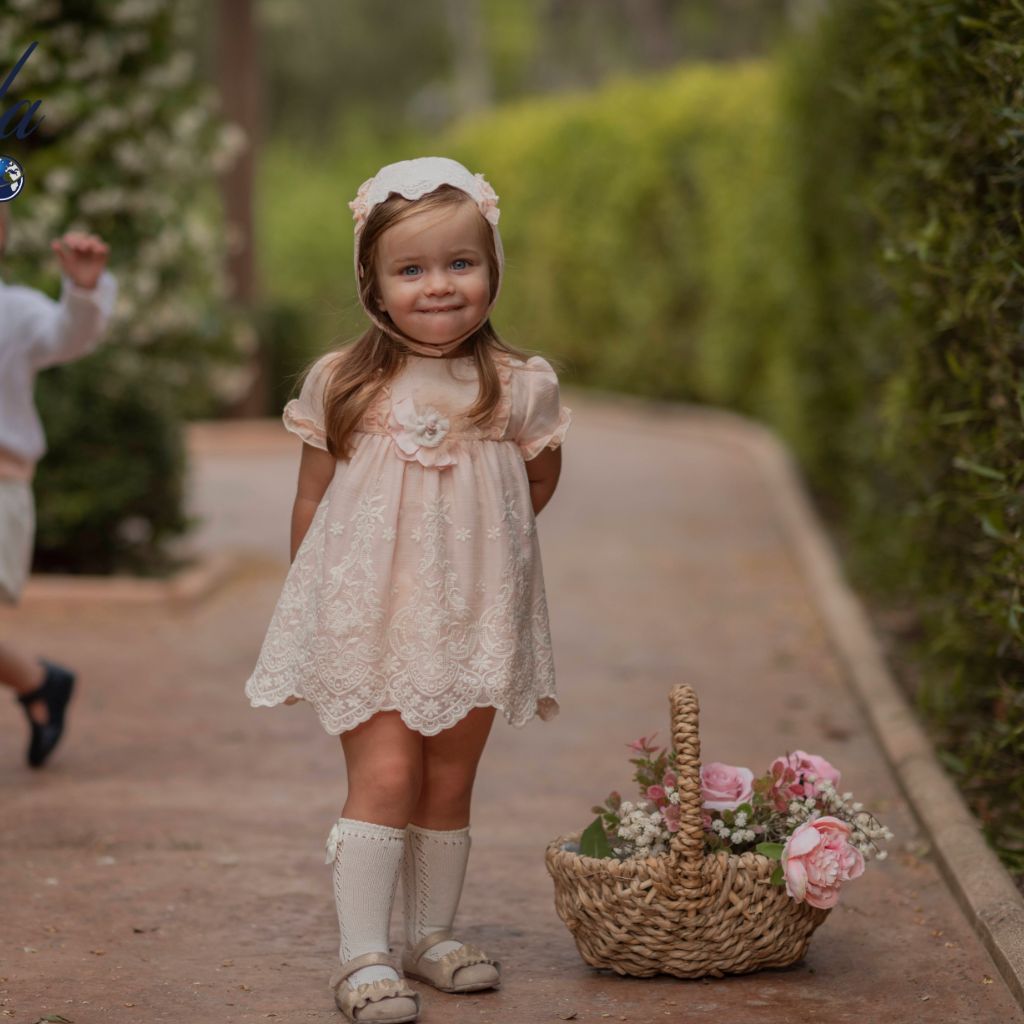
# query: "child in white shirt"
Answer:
x=36 y=332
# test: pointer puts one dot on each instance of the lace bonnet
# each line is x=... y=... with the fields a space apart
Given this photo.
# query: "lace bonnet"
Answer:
x=413 y=179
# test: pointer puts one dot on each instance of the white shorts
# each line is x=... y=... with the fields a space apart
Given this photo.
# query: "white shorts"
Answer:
x=17 y=535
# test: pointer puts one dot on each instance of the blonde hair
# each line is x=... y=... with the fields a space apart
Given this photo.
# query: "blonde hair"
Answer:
x=365 y=366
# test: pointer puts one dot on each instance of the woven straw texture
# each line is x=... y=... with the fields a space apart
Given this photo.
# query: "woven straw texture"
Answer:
x=687 y=913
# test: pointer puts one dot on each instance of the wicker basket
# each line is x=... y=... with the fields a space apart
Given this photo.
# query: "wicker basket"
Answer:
x=686 y=913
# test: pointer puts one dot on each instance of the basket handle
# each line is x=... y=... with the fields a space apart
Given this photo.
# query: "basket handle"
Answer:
x=686 y=847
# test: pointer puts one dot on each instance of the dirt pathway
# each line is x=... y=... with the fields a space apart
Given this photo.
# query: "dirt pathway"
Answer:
x=168 y=866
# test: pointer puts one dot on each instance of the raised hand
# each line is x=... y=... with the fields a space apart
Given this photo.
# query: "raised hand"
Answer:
x=82 y=257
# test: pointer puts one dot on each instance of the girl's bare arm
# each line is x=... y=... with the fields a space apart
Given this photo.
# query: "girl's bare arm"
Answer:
x=543 y=471
x=316 y=470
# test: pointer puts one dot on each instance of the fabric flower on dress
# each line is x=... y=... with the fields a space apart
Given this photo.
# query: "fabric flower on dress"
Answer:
x=419 y=434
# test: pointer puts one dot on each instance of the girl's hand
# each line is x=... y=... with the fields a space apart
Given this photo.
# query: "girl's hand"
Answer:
x=82 y=257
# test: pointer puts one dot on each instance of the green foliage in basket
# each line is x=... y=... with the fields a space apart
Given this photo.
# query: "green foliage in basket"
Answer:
x=594 y=841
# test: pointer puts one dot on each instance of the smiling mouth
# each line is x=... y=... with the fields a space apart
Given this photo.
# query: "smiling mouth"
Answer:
x=443 y=309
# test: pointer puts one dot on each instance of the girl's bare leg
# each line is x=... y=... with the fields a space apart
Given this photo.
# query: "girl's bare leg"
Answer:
x=383 y=761
x=450 y=762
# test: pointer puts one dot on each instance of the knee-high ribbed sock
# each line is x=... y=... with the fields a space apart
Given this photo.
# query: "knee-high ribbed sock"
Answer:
x=367 y=861
x=433 y=870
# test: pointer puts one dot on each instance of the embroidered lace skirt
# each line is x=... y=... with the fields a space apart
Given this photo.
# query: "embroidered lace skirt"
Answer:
x=418 y=590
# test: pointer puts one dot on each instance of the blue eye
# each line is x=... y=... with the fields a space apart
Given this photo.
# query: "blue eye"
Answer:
x=460 y=260
x=411 y=266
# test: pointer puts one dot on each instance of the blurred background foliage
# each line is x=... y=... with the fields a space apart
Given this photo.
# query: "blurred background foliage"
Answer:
x=809 y=212
x=126 y=146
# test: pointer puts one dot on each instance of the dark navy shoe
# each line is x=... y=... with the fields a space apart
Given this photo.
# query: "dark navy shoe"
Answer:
x=55 y=692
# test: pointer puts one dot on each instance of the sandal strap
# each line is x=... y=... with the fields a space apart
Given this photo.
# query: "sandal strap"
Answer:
x=364 y=960
x=428 y=942
x=39 y=693
x=349 y=999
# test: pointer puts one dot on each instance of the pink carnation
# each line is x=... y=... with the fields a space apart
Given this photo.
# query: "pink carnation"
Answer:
x=817 y=859
x=724 y=786
x=791 y=777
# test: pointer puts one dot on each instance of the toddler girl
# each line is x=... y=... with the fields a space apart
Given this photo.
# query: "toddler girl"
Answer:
x=414 y=608
x=35 y=333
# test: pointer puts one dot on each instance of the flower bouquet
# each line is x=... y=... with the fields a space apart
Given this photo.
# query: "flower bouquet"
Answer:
x=712 y=870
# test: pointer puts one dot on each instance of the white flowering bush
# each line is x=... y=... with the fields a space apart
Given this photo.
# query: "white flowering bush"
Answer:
x=793 y=813
x=129 y=148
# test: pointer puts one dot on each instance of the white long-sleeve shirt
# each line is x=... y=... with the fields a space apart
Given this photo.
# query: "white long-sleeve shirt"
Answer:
x=36 y=332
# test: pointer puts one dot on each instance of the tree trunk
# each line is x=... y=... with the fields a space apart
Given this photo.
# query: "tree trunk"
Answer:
x=239 y=89
x=652 y=26
x=474 y=85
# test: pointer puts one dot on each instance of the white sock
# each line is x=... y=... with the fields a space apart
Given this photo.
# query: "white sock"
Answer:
x=367 y=862
x=433 y=871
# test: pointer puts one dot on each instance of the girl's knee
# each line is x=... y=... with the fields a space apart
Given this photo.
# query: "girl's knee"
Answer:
x=387 y=780
x=448 y=783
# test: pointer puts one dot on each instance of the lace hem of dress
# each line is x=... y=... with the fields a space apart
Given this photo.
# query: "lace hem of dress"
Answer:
x=546 y=707
x=553 y=440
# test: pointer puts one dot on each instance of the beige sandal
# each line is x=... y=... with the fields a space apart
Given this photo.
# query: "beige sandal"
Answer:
x=386 y=1000
x=477 y=970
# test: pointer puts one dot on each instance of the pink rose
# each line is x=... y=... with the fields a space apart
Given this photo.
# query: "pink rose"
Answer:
x=725 y=786
x=670 y=813
x=419 y=433
x=657 y=794
x=817 y=858
x=790 y=777
x=670 y=780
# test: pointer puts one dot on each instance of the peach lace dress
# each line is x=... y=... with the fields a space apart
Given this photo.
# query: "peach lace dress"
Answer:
x=418 y=586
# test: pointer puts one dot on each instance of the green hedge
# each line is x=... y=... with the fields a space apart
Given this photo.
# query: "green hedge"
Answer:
x=910 y=117
x=643 y=224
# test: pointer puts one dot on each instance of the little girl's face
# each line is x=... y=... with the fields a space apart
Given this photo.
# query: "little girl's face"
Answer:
x=432 y=273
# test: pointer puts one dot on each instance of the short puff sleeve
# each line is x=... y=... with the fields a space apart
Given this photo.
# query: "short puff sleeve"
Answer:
x=538 y=418
x=305 y=415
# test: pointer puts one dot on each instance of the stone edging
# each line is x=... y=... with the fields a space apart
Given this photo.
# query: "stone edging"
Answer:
x=187 y=587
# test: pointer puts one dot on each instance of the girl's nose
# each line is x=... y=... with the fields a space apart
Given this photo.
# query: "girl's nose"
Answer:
x=437 y=283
